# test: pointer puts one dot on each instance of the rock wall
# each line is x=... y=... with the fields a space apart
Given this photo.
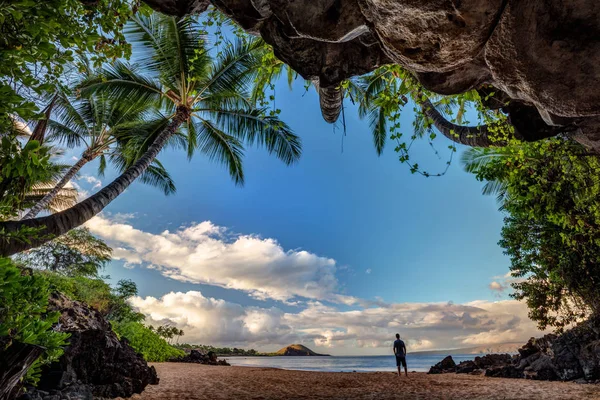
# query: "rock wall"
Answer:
x=543 y=55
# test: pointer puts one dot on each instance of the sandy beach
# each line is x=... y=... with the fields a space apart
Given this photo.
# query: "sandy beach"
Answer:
x=193 y=381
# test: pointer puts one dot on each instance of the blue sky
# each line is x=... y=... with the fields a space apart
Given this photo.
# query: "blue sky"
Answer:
x=400 y=244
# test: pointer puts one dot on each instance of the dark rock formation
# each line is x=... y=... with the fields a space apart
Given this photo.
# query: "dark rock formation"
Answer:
x=95 y=363
x=199 y=358
x=445 y=366
x=574 y=355
x=544 y=55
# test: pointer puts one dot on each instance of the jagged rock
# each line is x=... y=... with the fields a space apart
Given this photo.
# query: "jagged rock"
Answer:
x=543 y=55
x=572 y=356
x=507 y=371
x=443 y=367
x=199 y=358
x=466 y=367
x=96 y=361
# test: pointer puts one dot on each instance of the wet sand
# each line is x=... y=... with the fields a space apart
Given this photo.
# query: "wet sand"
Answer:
x=193 y=381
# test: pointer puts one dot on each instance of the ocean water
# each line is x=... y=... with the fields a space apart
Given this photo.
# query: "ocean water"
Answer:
x=416 y=362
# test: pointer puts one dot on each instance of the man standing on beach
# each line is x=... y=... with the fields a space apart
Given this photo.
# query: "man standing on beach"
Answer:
x=400 y=353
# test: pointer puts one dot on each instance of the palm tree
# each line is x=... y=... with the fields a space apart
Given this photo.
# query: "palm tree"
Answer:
x=381 y=93
x=204 y=96
x=94 y=123
x=66 y=197
x=475 y=159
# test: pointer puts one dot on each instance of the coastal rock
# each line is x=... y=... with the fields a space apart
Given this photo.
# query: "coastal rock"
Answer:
x=96 y=362
x=572 y=356
x=199 y=358
x=445 y=366
x=543 y=56
x=506 y=371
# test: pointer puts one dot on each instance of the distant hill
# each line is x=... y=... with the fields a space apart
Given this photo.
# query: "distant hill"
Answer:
x=297 y=350
x=487 y=349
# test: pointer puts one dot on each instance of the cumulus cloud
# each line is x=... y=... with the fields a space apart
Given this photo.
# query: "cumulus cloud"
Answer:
x=364 y=330
x=497 y=287
x=95 y=182
x=502 y=283
x=368 y=271
x=210 y=254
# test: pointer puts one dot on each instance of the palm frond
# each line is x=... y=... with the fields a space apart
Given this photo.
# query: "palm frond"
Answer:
x=254 y=127
x=157 y=176
x=235 y=69
x=221 y=147
x=378 y=124
x=124 y=84
x=475 y=158
x=66 y=197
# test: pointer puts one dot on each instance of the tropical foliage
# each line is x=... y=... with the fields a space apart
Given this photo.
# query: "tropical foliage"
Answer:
x=146 y=342
x=23 y=316
x=550 y=193
x=76 y=253
x=191 y=91
x=41 y=40
x=94 y=124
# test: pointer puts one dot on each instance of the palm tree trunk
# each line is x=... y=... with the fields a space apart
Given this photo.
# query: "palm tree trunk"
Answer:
x=60 y=223
x=45 y=201
x=474 y=136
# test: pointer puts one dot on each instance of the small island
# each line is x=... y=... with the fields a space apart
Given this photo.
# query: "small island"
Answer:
x=297 y=350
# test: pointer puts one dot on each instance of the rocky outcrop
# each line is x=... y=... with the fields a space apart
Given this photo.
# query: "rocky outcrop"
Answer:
x=197 y=357
x=574 y=355
x=95 y=363
x=543 y=56
x=445 y=366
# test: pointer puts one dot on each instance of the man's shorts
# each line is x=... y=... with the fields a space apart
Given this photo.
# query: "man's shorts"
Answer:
x=400 y=361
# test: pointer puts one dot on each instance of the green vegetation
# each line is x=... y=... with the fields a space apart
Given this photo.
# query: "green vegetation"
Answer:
x=146 y=342
x=221 y=351
x=192 y=99
x=23 y=316
x=70 y=56
x=41 y=42
x=69 y=264
x=550 y=193
x=77 y=253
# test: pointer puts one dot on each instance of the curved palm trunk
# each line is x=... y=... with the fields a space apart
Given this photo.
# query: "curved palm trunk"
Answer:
x=474 y=136
x=47 y=199
x=60 y=223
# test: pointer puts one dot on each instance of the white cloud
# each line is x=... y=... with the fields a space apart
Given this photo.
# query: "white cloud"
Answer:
x=95 y=182
x=502 y=283
x=361 y=331
x=82 y=194
x=209 y=254
x=497 y=287
x=368 y=271
x=325 y=318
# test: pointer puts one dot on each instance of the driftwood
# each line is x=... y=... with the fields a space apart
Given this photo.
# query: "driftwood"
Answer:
x=14 y=363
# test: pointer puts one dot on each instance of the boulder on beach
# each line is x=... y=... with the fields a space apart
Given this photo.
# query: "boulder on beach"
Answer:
x=445 y=366
x=197 y=357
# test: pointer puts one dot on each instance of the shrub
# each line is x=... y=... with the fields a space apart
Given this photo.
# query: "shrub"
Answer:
x=23 y=316
x=147 y=343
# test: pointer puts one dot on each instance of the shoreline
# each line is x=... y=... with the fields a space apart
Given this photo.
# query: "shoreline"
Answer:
x=194 y=381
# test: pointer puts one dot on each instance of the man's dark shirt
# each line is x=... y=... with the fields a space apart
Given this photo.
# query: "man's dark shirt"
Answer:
x=399 y=348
